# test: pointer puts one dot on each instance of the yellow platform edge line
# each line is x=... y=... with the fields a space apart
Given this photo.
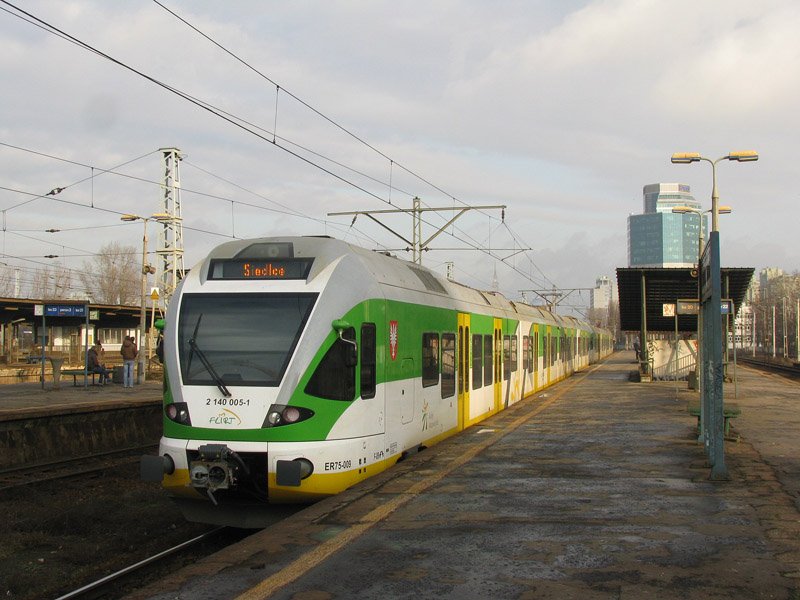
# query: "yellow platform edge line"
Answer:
x=308 y=560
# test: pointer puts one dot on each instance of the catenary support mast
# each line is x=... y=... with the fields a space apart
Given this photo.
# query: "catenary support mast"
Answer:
x=170 y=238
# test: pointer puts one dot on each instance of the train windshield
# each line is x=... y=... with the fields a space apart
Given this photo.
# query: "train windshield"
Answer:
x=239 y=339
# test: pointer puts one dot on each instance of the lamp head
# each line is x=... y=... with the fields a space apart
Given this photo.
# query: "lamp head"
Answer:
x=684 y=209
x=743 y=155
x=129 y=217
x=685 y=157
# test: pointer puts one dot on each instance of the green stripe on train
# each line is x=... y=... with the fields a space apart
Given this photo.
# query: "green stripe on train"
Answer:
x=412 y=321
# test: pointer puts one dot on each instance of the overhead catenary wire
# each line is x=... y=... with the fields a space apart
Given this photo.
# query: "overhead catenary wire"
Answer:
x=236 y=121
x=330 y=120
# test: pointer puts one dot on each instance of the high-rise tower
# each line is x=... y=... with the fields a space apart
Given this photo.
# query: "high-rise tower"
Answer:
x=661 y=238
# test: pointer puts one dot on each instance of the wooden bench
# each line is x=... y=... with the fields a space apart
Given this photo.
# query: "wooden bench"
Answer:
x=79 y=373
x=729 y=412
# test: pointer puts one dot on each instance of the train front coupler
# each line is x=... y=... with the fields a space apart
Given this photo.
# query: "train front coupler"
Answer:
x=217 y=467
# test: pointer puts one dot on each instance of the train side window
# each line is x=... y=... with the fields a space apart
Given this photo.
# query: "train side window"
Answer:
x=506 y=357
x=334 y=377
x=368 y=360
x=430 y=359
x=530 y=353
x=477 y=367
x=448 y=364
x=514 y=355
x=488 y=366
x=526 y=345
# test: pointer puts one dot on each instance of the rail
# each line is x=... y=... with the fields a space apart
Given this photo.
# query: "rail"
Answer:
x=782 y=367
x=106 y=581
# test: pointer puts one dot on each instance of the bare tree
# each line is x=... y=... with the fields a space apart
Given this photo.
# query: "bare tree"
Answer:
x=113 y=276
x=52 y=283
x=6 y=282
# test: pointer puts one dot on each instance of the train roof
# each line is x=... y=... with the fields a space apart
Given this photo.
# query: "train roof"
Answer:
x=386 y=269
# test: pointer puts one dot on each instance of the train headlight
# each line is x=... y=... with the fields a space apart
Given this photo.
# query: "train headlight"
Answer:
x=291 y=414
x=306 y=467
x=280 y=414
x=178 y=412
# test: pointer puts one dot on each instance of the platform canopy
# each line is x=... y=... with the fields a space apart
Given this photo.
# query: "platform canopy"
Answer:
x=665 y=286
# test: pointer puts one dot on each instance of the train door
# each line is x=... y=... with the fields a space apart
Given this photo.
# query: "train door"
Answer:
x=498 y=364
x=407 y=390
x=463 y=368
x=535 y=366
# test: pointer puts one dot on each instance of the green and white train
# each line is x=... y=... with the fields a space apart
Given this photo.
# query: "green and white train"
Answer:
x=299 y=366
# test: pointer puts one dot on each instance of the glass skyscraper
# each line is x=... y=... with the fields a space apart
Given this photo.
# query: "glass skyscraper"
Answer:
x=661 y=238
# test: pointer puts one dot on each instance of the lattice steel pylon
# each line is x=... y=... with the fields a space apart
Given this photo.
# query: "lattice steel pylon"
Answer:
x=170 y=268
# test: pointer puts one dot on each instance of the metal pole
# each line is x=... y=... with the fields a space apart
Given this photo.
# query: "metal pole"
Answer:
x=774 y=333
x=140 y=376
x=714 y=196
x=785 y=335
x=44 y=333
x=86 y=348
x=644 y=355
x=735 y=379
x=676 y=349
x=699 y=364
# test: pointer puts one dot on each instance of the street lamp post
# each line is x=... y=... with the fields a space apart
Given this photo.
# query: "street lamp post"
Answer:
x=146 y=270
x=690 y=157
x=711 y=300
x=723 y=210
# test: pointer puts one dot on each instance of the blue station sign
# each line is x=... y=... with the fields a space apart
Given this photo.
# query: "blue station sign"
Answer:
x=65 y=310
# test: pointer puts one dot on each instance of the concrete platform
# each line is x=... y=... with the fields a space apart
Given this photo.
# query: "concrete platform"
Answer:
x=39 y=426
x=596 y=488
x=30 y=399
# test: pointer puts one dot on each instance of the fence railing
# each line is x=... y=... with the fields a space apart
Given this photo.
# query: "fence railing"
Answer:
x=670 y=371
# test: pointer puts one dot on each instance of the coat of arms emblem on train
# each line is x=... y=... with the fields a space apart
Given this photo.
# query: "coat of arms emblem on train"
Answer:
x=393 y=339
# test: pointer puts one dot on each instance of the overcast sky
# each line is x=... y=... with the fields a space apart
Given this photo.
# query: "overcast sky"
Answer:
x=560 y=110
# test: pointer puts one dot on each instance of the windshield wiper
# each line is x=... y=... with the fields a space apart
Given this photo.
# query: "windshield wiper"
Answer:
x=196 y=349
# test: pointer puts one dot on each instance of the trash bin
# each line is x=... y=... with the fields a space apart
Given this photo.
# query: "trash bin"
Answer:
x=116 y=375
x=693 y=380
x=57 y=363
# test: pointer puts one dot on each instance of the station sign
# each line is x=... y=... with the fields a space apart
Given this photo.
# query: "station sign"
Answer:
x=726 y=307
x=692 y=307
x=64 y=310
x=688 y=307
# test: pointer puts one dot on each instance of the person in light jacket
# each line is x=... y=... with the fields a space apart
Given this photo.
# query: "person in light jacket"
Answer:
x=129 y=352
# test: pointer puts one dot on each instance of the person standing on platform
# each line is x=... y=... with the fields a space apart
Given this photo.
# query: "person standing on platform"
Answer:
x=129 y=353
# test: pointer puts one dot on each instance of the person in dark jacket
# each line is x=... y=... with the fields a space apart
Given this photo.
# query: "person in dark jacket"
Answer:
x=129 y=352
x=95 y=366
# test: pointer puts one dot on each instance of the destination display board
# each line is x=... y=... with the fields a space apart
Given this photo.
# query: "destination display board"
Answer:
x=244 y=269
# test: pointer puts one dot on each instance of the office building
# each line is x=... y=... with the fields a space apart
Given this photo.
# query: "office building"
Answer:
x=660 y=238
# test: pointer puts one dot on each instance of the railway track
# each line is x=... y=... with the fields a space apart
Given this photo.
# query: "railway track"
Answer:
x=792 y=370
x=74 y=467
x=203 y=544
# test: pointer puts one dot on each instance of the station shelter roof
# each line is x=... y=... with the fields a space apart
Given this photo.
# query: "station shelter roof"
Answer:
x=15 y=310
x=665 y=286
